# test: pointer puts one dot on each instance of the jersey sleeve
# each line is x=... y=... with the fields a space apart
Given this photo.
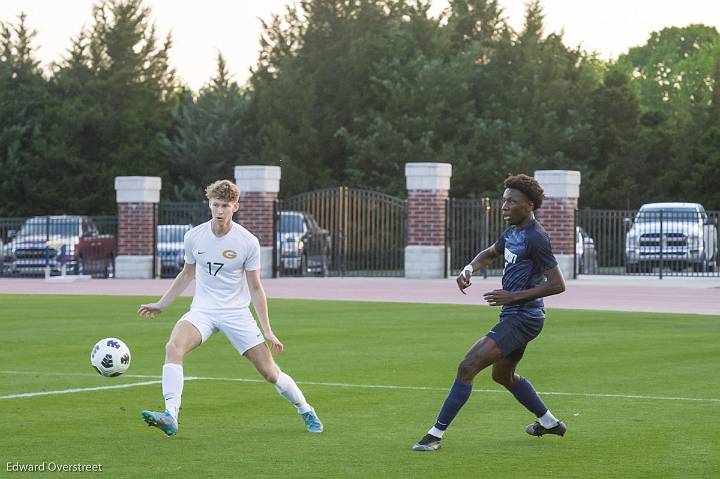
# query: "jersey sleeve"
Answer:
x=542 y=254
x=189 y=257
x=252 y=262
x=500 y=244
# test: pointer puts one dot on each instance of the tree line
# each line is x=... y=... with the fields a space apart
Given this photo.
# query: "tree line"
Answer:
x=345 y=92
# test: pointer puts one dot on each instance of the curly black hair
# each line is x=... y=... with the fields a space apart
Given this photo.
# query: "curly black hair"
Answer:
x=528 y=186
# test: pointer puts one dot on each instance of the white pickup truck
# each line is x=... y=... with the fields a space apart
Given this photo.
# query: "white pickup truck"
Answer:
x=676 y=235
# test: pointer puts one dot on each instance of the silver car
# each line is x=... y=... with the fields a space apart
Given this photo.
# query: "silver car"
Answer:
x=171 y=249
x=586 y=258
x=303 y=246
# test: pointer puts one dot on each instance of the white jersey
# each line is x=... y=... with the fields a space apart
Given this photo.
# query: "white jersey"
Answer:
x=221 y=262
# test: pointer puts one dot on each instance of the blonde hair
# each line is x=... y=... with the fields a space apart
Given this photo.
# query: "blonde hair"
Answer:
x=224 y=190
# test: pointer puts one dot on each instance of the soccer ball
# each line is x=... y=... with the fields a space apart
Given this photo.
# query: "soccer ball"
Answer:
x=110 y=357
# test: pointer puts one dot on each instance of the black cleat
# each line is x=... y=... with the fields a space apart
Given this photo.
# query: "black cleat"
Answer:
x=427 y=443
x=537 y=429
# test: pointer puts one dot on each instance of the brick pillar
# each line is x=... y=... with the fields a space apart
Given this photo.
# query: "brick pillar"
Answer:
x=259 y=187
x=427 y=187
x=136 y=199
x=557 y=215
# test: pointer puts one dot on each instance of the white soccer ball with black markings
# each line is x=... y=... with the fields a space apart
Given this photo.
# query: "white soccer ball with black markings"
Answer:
x=110 y=357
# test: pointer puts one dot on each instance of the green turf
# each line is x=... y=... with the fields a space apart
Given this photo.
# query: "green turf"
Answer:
x=244 y=429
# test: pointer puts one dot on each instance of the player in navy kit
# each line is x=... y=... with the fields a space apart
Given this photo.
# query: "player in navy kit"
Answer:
x=531 y=273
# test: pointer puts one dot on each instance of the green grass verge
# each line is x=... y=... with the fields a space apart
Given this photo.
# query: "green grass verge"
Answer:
x=244 y=429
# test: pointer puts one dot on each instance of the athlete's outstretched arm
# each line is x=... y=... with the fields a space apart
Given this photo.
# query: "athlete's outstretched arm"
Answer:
x=181 y=281
x=481 y=260
x=555 y=284
x=259 y=301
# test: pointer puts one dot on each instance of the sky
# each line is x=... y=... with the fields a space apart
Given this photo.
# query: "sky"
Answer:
x=202 y=28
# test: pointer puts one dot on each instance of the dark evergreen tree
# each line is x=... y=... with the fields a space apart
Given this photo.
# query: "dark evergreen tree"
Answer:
x=23 y=97
x=211 y=136
x=112 y=100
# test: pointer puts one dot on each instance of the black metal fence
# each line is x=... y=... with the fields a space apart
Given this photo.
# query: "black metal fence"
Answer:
x=345 y=231
x=472 y=226
x=183 y=212
x=56 y=245
x=340 y=232
x=660 y=239
x=671 y=239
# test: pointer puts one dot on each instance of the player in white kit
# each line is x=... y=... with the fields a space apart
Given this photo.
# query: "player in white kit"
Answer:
x=224 y=260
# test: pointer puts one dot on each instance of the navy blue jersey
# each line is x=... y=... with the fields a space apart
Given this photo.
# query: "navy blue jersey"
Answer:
x=528 y=255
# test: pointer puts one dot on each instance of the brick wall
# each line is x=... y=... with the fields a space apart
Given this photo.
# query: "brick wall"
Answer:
x=557 y=216
x=256 y=214
x=135 y=229
x=426 y=217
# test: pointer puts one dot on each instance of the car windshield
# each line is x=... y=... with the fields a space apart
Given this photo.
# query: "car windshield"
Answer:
x=171 y=234
x=668 y=214
x=50 y=226
x=291 y=223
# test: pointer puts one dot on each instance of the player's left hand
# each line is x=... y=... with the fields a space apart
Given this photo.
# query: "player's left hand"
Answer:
x=499 y=297
x=276 y=347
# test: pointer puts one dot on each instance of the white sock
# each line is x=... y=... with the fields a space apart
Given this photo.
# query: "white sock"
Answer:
x=548 y=420
x=436 y=432
x=172 y=387
x=290 y=391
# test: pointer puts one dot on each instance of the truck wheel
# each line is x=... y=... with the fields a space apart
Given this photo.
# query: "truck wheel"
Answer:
x=110 y=267
x=303 y=265
x=703 y=267
x=324 y=268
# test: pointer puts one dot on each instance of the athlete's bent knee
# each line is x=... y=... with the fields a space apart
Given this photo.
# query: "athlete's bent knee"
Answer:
x=467 y=371
x=271 y=375
x=173 y=352
x=502 y=378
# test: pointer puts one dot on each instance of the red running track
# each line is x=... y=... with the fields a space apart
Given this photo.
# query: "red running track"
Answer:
x=616 y=293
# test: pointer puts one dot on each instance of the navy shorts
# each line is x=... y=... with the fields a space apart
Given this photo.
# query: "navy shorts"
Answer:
x=513 y=332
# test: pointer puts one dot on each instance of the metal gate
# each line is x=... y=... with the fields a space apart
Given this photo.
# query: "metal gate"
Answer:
x=339 y=232
x=472 y=225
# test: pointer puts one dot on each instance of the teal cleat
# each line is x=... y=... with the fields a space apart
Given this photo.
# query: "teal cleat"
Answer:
x=312 y=421
x=161 y=420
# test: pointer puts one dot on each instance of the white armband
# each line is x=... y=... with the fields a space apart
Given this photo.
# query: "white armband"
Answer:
x=468 y=269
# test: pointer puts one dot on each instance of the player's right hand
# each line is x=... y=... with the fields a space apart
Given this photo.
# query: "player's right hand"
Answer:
x=149 y=310
x=276 y=347
x=463 y=279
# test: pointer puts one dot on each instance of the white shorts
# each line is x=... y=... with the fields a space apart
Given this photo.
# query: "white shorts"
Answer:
x=238 y=326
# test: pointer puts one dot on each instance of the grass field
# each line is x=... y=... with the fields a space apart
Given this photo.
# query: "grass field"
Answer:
x=640 y=394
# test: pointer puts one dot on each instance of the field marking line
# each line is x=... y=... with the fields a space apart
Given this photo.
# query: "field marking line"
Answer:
x=78 y=390
x=502 y=391
x=343 y=385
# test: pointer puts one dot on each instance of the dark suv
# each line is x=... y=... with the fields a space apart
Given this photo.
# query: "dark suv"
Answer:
x=303 y=246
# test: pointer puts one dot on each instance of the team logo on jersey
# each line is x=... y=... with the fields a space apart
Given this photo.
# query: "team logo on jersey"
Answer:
x=510 y=257
x=229 y=254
